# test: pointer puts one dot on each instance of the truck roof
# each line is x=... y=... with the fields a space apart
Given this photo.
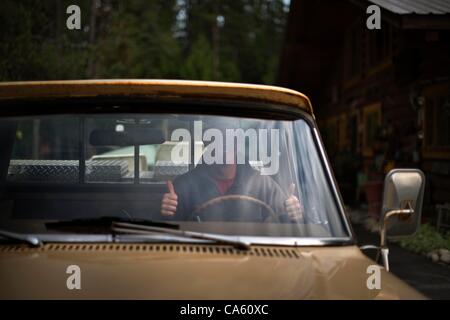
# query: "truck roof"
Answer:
x=171 y=89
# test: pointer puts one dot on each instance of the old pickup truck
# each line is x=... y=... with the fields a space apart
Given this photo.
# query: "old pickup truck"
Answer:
x=158 y=189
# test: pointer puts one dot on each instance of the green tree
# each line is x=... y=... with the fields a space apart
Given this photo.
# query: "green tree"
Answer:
x=199 y=63
x=237 y=40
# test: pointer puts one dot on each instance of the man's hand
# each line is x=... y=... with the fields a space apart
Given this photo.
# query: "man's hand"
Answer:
x=293 y=206
x=169 y=201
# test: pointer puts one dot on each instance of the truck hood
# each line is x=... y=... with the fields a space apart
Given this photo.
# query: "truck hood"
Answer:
x=185 y=271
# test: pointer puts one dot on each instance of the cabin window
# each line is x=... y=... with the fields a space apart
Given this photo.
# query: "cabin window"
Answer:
x=437 y=121
x=371 y=125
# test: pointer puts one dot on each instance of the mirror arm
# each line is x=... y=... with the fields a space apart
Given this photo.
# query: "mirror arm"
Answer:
x=389 y=214
x=385 y=257
x=384 y=250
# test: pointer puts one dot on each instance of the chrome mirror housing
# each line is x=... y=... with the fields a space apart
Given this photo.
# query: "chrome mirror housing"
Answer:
x=402 y=206
x=402 y=202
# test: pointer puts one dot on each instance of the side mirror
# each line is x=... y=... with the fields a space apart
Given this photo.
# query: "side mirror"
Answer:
x=402 y=207
x=402 y=203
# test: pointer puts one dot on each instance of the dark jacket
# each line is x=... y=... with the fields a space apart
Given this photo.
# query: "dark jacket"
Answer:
x=197 y=186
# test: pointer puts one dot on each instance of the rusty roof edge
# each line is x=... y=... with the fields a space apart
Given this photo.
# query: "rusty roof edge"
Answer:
x=153 y=87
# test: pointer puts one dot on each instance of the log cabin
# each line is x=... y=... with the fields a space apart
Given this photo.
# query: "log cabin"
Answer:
x=381 y=97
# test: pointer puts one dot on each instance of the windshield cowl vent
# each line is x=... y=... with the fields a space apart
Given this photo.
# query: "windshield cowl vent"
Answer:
x=268 y=252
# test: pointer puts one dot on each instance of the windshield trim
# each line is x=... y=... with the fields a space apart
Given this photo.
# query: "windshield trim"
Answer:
x=166 y=238
x=332 y=180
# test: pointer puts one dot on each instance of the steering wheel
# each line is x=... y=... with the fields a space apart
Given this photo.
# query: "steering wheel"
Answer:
x=237 y=197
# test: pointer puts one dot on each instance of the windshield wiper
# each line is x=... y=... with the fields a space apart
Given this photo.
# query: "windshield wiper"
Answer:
x=32 y=240
x=124 y=227
x=143 y=227
x=106 y=223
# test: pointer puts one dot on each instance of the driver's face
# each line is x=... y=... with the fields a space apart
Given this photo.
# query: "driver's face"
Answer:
x=226 y=170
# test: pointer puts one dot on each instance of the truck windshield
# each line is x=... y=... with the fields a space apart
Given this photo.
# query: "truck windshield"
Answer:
x=218 y=174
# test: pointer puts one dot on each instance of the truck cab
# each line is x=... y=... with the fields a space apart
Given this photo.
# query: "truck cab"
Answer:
x=254 y=211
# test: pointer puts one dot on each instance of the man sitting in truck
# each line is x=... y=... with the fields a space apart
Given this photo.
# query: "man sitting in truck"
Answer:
x=210 y=181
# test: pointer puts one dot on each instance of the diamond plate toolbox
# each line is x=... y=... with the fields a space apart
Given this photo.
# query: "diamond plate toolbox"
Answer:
x=43 y=170
x=66 y=170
